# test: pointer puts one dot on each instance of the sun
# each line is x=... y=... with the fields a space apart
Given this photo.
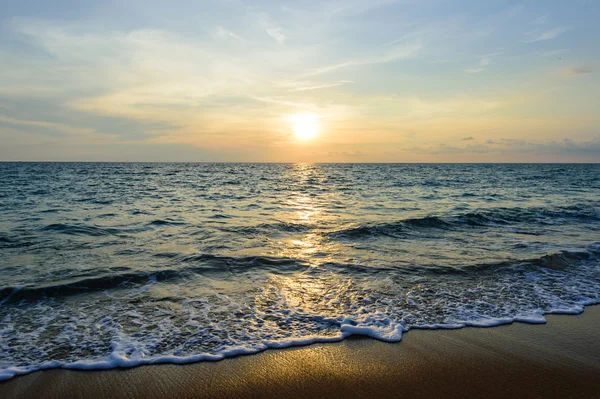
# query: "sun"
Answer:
x=305 y=126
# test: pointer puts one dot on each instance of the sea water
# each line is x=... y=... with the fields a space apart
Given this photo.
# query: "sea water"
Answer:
x=117 y=264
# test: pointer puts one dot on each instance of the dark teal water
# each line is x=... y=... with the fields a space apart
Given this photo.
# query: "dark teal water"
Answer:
x=105 y=265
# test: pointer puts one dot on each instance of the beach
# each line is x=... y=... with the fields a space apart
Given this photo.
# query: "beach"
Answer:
x=559 y=359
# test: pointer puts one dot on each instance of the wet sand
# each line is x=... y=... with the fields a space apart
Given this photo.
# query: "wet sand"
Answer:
x=560 y=359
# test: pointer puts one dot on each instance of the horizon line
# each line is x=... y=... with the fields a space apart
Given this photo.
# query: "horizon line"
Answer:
x=319 y=163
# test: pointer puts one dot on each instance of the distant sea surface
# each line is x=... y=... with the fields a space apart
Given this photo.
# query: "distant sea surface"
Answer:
x=114 y=264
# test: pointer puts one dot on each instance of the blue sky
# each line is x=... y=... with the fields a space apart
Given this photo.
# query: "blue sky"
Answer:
x=387 y=81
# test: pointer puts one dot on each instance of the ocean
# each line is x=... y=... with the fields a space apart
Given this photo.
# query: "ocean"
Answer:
x=107 y=265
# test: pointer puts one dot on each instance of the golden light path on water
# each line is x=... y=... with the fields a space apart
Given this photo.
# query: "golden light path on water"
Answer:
x=306 y=291
x=305 y=211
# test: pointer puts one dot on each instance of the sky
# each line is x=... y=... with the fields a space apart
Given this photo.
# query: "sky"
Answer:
x=383 y=80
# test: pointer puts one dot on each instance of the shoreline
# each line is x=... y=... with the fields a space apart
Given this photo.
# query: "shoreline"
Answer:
x=557 y=359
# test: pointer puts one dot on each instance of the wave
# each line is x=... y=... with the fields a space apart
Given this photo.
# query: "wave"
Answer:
x=82 y=286
x=399 y=229
x=490 y=218
x=79 y=229
x=197 y=264
x=242 y=261
x=372 y=326
x=267 y=228
x=118 y=359
x=166 y=222
x=561 y=260
x=226 y=265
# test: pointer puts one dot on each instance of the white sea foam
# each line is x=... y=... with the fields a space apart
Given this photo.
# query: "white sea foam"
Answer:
x=379 y=329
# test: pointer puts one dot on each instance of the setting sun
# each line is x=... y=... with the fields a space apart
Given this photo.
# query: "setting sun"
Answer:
x=305 y=126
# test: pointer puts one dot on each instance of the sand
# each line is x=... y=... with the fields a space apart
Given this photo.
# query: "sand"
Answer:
x=560 y=359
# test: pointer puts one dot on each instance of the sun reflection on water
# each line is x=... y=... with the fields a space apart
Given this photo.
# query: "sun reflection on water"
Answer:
x=304 y=211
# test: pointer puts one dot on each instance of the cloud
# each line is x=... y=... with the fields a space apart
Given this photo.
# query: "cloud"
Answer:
x=537 y=36
x=444 y=148
x=397 y=53
x=483 y=63
x=348 y=154
x=58 y=127
x=270 y=27
x=552 y=53
x=276 y=34
x=321 y=86
x=201 y=91
x=577 y=71
x=222 y=33
x=411 y=35
x=404 y=109
x=505 y=146
x=357 y=7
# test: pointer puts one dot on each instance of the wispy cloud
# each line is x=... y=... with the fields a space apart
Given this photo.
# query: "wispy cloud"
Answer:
x=286 y=103
x=322 y=86
x=411 y=35
x=270 y=28
x=552 y=53
x=541 y=20
x=507 y=146
x=537 y=36
x=276 y=33
x=577 y=71
x=222 y=33
x=483 y=63
x=397 y=53
x=58 y=127
x=348 y=154
x=357 y=7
